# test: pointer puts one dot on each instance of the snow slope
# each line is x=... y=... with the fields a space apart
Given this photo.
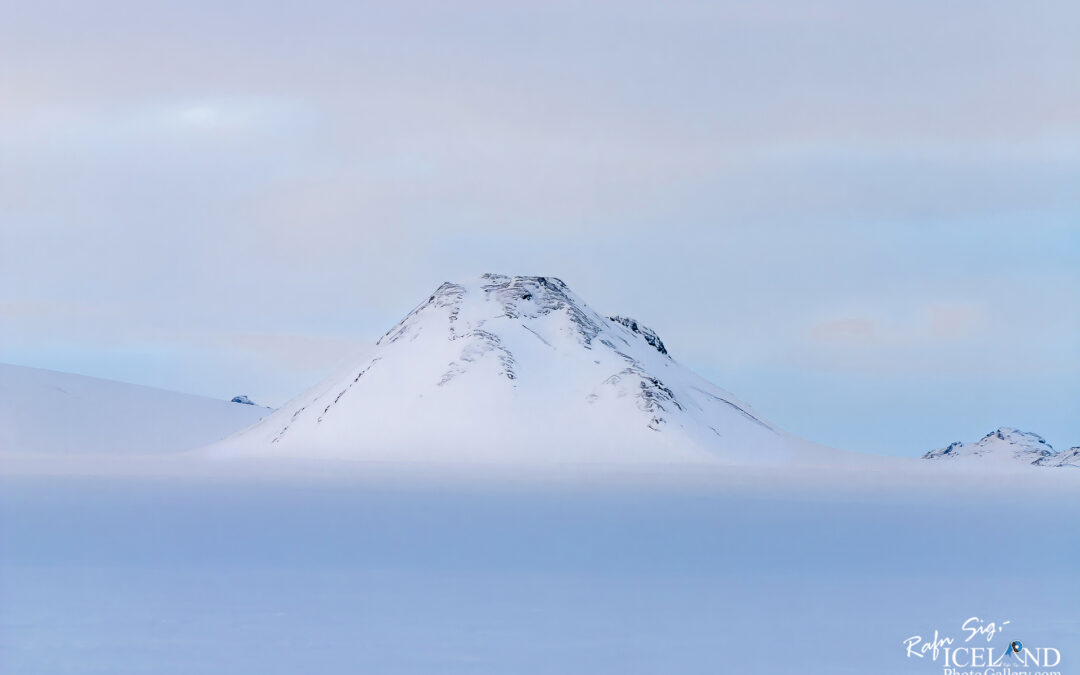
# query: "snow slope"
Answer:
x=1005 y=447
x=506 y=368
x=1070 y=458
x=43 y=411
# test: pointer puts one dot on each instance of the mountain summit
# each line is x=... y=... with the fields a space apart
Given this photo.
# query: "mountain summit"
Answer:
x=518 y=368
x=1008 y=446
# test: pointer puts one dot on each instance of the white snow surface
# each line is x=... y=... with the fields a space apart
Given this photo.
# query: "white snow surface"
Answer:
x=1005 y=447
x=519 y=369
x=47 y=412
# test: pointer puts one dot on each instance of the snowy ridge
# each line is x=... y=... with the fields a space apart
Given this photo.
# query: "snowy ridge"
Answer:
x=1008 y=446
x=1068 y=458
x=43 y=411
x=505 y=368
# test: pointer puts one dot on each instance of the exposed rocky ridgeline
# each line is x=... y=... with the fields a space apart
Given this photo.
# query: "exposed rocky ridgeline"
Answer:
x=650 y=337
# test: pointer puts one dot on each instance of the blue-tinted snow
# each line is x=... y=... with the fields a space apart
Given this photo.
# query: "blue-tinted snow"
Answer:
x=274 y=575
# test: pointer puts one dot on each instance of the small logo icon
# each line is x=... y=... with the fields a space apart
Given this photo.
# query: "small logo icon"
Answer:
x=1015 y=647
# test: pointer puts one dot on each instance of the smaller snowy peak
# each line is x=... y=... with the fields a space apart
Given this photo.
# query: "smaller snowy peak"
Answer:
x=1002 y=445
x=242 y=398
x=649 y=335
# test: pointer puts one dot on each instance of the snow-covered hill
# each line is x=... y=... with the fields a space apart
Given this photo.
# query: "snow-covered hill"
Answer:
x=504 y=368
x=43 y=411
x=1007 y=446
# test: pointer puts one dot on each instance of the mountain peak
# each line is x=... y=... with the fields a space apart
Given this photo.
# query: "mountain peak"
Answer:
x=1015 y=436
x=518 y=297
x=517 y=367
x=1004 y=444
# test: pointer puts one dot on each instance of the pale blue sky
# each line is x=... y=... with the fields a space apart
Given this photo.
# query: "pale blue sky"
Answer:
x=863 y=218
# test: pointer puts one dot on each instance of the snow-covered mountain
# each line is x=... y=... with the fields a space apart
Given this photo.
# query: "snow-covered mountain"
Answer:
x=505 y=368
x=43 y=411
x=1008 y=446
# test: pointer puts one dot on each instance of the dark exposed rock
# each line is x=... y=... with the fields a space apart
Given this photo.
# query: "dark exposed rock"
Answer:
x=649 y=335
